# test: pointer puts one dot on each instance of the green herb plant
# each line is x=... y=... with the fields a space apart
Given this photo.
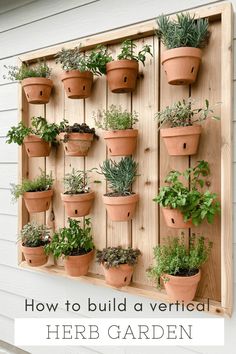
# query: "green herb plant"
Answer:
x=112 y=257
x=77 y=182
x=73 y=240
x=43 y=182
x=177 y=259
x=182 y=114
x=114 y=118
x=194 y=204
x=34 y=235
x=65 y=127
x=25 y=71
x=128 y=48
x=185 y=31
x=98 y=58
x=120 y=175
x=39 y=126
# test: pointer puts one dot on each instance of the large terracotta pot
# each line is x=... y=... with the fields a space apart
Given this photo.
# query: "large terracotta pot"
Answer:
x=77 y=266
x=181 y=141
x=37 y=202
x=121 y=142
x=37 y=89
x=77 y=84
x=181 y=288
x=122 y=75
x=36 y=147
x=34 y=256
x=174 y=219
x=77 y=144
x=121 y=208
x=181 y=65
x=118 y=276
x=77 y=205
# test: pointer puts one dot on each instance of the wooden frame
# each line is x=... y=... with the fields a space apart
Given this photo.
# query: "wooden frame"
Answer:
x=223 y=12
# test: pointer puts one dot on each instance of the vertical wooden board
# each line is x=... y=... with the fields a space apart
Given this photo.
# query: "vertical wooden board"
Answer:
x=118 y=233
x=208 y=86
x=96 y=155
x=55 y=162
x=169 y=94
x=145 y=221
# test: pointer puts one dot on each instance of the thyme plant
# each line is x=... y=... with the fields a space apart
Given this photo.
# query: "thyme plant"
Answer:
x=76 y=182
x=114 y=256
x=25 y=71
x=34 y=235
x=114 y=118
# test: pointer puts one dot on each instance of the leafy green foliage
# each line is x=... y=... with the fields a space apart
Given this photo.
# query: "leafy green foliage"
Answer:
x=120 y=175
x=72 y=59
x=76 y=182
x=115 y=256
x=115 y=119
x=176 y=258
x=185 y=31
x=127 y=51
x=25 y=71
x=39 y=126
x=72 y=240
x=98 y=58
x=182 y=114
x=34 y=235
x=195 y=205
x=41 y=183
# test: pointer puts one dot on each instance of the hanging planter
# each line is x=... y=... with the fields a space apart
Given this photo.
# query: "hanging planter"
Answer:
x=121 y=142
x=183 y=38
x=121 y=202
x=182 y=138
x=175 y=219
x=76 y=266
x=36 y=147
x=77 y=84
x=37 y=202
x=34 y=256
x=118 y=264
x=178 y=264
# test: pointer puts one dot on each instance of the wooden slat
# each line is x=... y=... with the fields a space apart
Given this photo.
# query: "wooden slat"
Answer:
x=145 y=221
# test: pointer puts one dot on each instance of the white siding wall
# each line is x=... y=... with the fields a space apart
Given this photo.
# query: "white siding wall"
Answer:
x=26 y=26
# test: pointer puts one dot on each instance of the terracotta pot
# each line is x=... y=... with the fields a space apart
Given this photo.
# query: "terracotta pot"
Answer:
x=181 y=65
x=121 y=142
x=174 y=218
x=181 y=288
x=78 y=144
x=121 y=208
x=181 y=141
x=34 y=256
x=77 y=266
x=77 y=84
x=36 y=147
x=118 y=276
x=37 y=202
x=78 y=204
x=37 y=89
x=122 y=75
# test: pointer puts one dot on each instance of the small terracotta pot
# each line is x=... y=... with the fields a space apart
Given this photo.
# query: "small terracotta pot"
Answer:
x=36 y=147
x=34 y=256
x=37 y=202
x=77 y=266
x=37 y=89
x=174 y=218
x=181 y=141
x=77 y=205
x=77 y=84
x=121 y=142
x=118 y=276
x=181 y=288
x=77 y=144
x=181 y=65
x=122 y=75
x=121 y=208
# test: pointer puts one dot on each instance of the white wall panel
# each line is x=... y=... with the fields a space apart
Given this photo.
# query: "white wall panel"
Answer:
x=3 y=70
x=8 y=227
x=8 y=152
x=8 y=174
x=6 y=204
x=7 y=120
x=8 y=253
x=8 y=96
x=7 y=329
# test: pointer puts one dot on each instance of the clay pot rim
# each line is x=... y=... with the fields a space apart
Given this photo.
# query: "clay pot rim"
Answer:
x=37 y=81
x=113 y=134
x=120 y=200
x=32 y=248
x=38 y=195
x=67 y=258
x=122 y=64
x=75 y=74
x=77 y=197
x=176 y=278
x=77 y=136
x=125 y=265
x=33 y=138
x=181 y=52
x=181 y=131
